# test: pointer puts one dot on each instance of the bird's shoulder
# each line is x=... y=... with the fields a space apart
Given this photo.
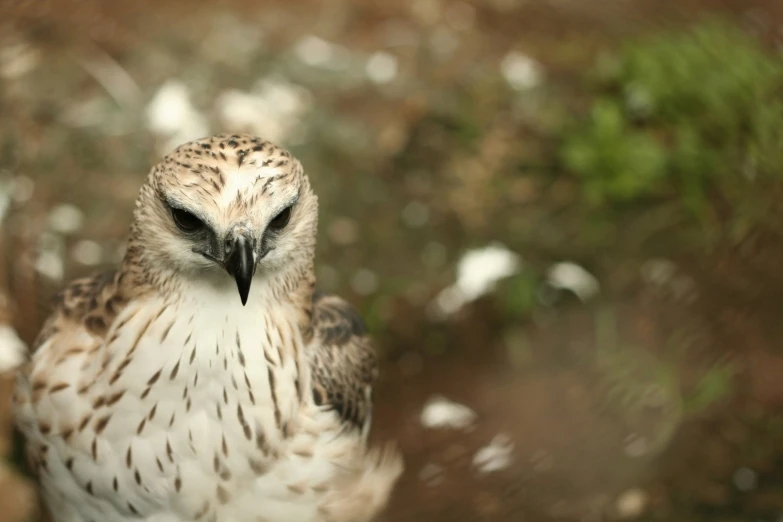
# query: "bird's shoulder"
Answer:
x=90 y=303
x=343 y=360
x=51 y=384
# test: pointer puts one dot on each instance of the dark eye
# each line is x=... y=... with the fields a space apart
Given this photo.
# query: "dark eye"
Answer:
x=281 y=219
x=186 y=221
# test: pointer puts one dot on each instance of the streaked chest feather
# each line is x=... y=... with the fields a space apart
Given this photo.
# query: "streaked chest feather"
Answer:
x=186 y=405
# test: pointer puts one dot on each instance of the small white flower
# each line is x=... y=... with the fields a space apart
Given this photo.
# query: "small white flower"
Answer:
x=520 y=71
x=315 y=51
x=495 y=456
x=631 y=504
x=440 y=412
x=273 y=108
x=12 y=349
x=381 y=67
x=51 y=265
x=18 y=60
x=570 y=276
x=87 y=252
x=171 y=114
x=66 y=219
x=22 y=189
x=478 y=271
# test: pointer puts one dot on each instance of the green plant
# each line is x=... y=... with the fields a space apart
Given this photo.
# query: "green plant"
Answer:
x=614 y=161
x=691 y=117
x=635 y=381
x=519 y=295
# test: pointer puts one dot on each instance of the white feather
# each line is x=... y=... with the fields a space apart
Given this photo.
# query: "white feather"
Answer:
x=317 y=471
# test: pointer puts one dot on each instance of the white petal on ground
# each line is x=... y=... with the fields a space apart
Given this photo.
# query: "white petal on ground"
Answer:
x=12 y=349
x=570 y=276
x=431 y=474
x=315 y=51
x=87 y=252
x=272 y=109
x=636 y=446
x=440 y=412
x=381 y=67
x=520 y=71
x=49 y=262
x=446 y=303
x=170 y=108
x=66 y=218
x=497 y=455
x=51 y=265
x=478 y=271
x=18 y=59
x=631 y=504
x=22 y=189
x=171 y=114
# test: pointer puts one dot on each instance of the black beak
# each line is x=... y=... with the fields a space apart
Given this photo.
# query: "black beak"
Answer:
x=239 y=264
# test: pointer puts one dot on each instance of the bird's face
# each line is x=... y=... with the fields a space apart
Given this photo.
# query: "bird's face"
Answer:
x=230 y=203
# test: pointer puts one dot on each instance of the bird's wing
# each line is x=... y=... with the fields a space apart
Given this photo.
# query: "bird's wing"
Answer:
x=49 y=387
x=90 y=302
x=343 y=362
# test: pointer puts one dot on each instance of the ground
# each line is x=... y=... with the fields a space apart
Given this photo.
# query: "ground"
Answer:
x=644 y=386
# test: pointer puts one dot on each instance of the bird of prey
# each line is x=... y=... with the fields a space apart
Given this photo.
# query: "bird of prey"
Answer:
x=206 y=379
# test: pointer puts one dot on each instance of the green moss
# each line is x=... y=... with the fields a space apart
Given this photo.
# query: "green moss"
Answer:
x=714 y=385
x=519 y=295
x=614 y=161
x=691 y=116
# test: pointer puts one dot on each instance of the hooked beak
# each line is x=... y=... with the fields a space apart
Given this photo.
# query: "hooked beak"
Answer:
x=240 y=264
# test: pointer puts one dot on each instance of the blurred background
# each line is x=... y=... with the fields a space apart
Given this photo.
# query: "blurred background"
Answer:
x=560 y=219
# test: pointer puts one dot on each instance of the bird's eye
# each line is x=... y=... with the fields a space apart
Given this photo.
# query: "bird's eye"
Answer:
x=186 y=221
x=281 y=219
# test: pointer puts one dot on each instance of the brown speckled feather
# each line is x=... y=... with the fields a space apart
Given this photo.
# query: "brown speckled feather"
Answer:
x=343 y=360
x=92 y=302
x=160 y=392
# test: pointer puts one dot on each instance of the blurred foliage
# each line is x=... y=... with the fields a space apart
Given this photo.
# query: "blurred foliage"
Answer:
x=638 y=382
x=693 y=116
x=713 y=386
x=617 y=162
x=520 y=294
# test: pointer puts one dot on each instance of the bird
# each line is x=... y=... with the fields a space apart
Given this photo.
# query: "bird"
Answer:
x=207 y=378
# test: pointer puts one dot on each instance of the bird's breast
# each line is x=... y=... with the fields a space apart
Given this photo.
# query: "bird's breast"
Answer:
x=202 y=400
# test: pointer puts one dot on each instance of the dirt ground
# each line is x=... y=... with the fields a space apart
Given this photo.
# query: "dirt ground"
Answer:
x=592 y=429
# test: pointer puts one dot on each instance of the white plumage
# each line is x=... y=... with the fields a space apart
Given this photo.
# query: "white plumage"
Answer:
x=155 y=394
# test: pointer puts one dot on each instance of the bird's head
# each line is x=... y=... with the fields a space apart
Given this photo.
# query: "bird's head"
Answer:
x=234 y=205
